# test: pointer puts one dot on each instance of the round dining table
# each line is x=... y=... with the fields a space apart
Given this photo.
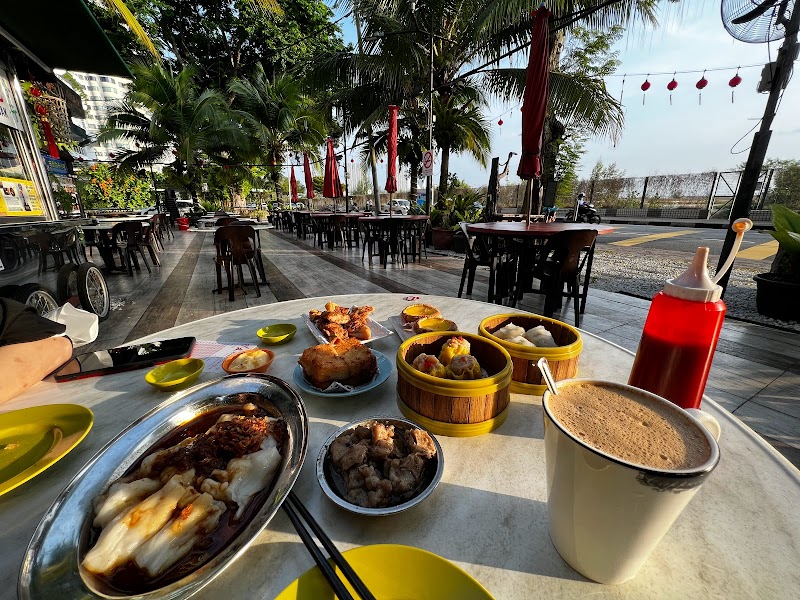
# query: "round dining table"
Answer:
x=738 y=538
x=388 y=226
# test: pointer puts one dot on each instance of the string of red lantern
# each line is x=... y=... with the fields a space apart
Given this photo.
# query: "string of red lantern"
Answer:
x=703 y=82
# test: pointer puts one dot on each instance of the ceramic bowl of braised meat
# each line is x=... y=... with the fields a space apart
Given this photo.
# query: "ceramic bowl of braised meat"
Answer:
x=379 y=466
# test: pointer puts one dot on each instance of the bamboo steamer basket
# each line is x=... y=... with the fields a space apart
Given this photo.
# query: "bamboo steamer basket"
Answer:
x=563 y=360
x=454 y=407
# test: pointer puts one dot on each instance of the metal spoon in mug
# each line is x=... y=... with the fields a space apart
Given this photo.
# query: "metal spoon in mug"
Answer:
x=548 y=376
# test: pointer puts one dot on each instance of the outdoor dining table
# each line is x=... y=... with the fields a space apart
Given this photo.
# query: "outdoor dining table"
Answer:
x=498 y=233
x=105 y=245
x=738 y=538
x=328 y=225
x=391 y=224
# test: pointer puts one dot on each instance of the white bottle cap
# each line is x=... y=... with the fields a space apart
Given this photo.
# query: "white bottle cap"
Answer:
x=694 y=284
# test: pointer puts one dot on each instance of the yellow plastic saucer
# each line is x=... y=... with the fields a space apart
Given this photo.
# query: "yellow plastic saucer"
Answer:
x=175 y=374
x=393 y=572
x=276 y=334
x=32 y=439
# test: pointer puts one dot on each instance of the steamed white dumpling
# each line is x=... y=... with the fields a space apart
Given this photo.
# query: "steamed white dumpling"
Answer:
x=509 y=331
x=540 y=337
x=522 y=341
x=120 y=497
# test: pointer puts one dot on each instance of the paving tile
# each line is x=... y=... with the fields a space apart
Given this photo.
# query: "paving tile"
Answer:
x=782 y=395
x=728 y=401
x=769 y=422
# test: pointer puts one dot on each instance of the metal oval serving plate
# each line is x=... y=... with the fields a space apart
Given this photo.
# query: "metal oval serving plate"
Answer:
x=51 y=567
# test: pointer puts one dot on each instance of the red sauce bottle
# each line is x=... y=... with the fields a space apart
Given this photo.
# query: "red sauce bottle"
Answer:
x=680 y=336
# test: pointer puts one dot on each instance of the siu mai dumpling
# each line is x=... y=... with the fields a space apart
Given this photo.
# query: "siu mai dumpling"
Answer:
x=509 y=331
x=452 y=348
x=541 y=337
x=198 y=515
x=430 y=365
x=121 y=538
x=464 y=366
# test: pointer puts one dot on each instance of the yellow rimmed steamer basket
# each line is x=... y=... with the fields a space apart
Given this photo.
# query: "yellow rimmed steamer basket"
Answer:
x=458 y=408
x=563 y=360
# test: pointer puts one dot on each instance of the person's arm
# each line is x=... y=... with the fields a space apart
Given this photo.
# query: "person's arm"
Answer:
x=26 y=364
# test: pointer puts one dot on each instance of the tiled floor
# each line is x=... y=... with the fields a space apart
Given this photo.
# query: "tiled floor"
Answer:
x=755 y=374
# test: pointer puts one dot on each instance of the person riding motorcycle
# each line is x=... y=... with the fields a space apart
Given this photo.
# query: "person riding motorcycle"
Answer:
x=586 y=211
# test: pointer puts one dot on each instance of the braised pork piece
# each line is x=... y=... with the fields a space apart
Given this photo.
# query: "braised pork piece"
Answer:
x=184 y=501
x=381 y=465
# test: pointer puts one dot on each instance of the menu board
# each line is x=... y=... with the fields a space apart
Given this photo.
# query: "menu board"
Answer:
x=18 y=198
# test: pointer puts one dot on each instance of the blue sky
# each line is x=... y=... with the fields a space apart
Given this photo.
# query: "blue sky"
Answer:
x=658 y=138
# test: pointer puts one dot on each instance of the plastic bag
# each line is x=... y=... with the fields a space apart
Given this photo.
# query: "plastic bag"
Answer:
x=82 y=326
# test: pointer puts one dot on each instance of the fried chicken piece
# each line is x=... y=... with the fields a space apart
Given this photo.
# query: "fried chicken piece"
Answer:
x=343 y=360
x=360 y=332
x=333 y=331
x=336 y=316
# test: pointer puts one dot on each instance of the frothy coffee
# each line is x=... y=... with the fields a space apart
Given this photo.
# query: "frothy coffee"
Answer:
x=630 y=426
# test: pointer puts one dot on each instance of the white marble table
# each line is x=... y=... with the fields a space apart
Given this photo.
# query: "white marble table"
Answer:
x=739 y=537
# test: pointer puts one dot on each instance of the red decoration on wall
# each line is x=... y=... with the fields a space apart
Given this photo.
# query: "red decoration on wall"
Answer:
x=700 y=85
x=35 y=92
x=735 y=81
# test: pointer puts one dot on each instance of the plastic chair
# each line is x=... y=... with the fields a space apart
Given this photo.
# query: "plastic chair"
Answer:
x=477 y=256
x=560 y=264
x=221 y=222
x=128 y=239
x=235 y=246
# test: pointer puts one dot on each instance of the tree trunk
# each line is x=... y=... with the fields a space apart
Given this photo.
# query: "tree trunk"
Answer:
x=413 y=170
x=376 y=197
x=445 y=172
x=551 y=142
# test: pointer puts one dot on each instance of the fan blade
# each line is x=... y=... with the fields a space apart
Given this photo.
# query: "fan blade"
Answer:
x=755 y=13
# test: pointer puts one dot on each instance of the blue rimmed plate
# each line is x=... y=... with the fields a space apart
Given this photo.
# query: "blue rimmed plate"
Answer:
x=384 y=370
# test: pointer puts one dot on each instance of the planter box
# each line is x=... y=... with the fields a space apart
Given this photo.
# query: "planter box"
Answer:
x=777 y=299
x=442 y=239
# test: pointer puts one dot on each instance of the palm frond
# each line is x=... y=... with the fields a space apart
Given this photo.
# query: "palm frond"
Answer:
x=119 y=7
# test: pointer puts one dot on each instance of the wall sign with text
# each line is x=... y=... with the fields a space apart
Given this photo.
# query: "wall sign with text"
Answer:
x=18 y=198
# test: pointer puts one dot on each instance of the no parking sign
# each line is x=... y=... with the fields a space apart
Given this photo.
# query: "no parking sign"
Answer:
x=427 y=163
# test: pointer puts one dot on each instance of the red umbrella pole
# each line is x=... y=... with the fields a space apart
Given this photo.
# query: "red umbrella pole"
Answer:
x=309 y=180
x=293 y=185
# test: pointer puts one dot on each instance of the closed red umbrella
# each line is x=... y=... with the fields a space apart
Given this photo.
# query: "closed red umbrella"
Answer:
x=293 y=185
x=534 y=105
x=391 y=142
x=332 y=187
x=309 y=180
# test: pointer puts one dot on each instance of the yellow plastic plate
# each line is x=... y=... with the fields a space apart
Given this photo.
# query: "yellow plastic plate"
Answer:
x=393 y=572
x=32 y=439
x=276 y=334
x=175 y=374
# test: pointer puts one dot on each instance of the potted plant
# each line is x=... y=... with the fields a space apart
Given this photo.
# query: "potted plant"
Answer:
x=777 y=291
x=444 y=223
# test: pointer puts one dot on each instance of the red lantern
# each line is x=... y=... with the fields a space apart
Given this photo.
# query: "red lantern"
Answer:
x=700 y=85
x=35 y=92
x=735 y=80
x=645 y=86
x=352 y=160
x=381 y=161
x=500 y=122
x=671 y=87
x=41 y=110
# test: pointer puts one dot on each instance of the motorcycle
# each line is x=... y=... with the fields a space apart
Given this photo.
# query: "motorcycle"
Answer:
x=586 y=214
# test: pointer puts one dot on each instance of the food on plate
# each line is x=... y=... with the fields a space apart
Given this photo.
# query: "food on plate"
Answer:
x=453 y=347
x=346 y=361
x=430 y=365
x=431 y=324
x=538 y=336
x=415 y=312
x=464 y=366
x=338 y=322
x=380 y=464
x=185 y=500
x=249 y=360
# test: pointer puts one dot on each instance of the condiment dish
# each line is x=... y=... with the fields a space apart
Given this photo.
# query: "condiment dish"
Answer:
x=226 y=364
x=175 y=374
x=279 y=333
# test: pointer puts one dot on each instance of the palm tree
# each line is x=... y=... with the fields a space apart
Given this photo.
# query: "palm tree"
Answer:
x=167 y=114
x=460 y=127
x=279 y=116
x=469 y=39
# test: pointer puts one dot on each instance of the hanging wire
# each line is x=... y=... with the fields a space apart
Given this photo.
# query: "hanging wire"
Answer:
x=622 y=89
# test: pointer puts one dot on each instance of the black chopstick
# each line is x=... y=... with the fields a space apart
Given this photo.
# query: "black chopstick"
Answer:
x=293 y=506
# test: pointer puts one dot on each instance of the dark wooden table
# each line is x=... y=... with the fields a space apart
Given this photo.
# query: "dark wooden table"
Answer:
x=391 y=224
x=497 y=233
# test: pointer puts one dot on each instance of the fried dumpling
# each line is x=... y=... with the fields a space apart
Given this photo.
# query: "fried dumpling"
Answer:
x=430 y=365
x=464 y=366
x=453 y=347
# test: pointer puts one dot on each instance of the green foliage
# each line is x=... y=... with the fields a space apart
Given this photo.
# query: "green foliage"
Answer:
x=106 y=186
x=450 y=210
x=785 y=188
x=787 y=232
x=209 y=205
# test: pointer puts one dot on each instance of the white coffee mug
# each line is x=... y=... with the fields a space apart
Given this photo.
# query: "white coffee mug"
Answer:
x=605 y=514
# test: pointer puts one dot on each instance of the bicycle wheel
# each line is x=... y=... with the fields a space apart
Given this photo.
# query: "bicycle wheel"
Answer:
x=37 y=296
x=67 y=286
x=93 y=291
x=595 y=219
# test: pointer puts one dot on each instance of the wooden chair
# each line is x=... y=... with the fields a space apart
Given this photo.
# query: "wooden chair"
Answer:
x=235 y=246
x=477 y=256
x=560 y=263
